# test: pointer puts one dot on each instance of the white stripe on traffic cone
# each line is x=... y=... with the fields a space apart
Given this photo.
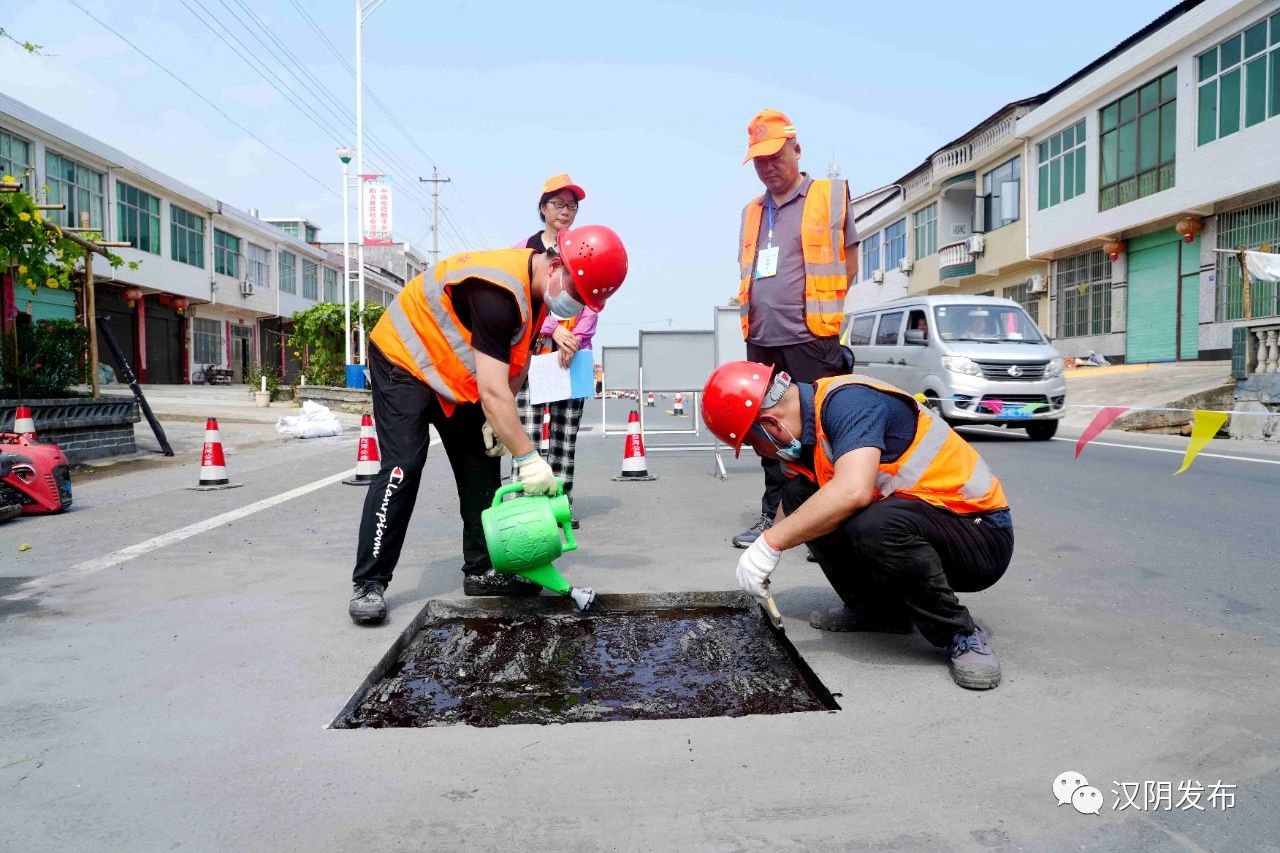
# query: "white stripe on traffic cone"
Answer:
x=23 y=423
x=678 y=408
x=634 y=468
x=545 y=444
x=368 y=459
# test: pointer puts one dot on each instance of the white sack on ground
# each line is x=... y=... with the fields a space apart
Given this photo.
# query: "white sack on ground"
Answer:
x=316 y=421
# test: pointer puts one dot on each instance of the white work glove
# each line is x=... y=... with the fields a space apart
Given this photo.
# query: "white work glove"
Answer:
x=533 y=472
x=493 y=445
x=755 y=565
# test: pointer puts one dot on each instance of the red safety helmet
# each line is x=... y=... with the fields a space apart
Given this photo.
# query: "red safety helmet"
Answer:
x=597 y=260
x=731 y=400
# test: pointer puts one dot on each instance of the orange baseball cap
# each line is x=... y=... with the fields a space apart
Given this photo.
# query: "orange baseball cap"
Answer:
x=767 y=133
x=555 y=183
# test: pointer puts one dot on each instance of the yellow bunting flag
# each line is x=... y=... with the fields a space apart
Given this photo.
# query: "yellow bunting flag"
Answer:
x=921 y=397
x=1203 y=428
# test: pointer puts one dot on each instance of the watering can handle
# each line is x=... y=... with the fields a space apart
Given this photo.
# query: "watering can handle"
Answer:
x=518 y=489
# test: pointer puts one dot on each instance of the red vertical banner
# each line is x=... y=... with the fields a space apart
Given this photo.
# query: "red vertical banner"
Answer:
x=375 y=199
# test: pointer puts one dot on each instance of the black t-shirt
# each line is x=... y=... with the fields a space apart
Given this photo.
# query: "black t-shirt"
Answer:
x=536 y=243
x=490 y=312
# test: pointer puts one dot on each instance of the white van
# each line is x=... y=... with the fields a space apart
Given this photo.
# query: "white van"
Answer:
x=977 y=359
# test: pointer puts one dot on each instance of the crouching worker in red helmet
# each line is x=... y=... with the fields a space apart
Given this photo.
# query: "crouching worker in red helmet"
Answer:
x=451 y=352
x=900 y=511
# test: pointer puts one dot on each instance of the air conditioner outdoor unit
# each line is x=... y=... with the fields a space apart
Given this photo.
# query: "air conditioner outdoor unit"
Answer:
x=977 y=243
x=246 y=288
x=878 y=276
x=905 y=265
x=1035 y=283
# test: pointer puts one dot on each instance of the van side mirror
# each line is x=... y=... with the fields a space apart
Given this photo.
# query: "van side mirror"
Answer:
x=915 y=338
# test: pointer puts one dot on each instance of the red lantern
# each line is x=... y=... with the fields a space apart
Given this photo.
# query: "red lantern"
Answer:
x=1189 y=227
x=133 y=294
x=1113 y=248
x=180 y=304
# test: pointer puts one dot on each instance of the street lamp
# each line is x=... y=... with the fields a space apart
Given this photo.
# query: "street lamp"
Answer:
x=344 y=154
x=364 y=8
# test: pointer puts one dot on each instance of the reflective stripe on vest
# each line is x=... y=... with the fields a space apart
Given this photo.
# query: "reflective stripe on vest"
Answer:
x=421 y=333
x=938 y=467
x=822 y=224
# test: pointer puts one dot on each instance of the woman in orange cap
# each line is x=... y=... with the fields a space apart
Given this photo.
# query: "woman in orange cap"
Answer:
x=558 y=208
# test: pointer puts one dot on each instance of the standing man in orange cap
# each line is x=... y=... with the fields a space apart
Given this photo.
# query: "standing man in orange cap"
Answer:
x=797 y=255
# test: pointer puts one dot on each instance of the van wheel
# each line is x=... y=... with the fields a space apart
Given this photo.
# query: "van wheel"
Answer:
x=1042 y=430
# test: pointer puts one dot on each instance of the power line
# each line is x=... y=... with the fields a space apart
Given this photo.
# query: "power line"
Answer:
x=216 y=108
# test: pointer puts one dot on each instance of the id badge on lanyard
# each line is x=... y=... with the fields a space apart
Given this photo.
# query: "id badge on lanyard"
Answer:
x=767 y=258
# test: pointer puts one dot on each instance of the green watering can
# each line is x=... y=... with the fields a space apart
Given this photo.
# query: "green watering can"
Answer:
x=523 y=536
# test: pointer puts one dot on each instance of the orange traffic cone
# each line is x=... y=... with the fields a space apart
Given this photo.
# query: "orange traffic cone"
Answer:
x=23 y=423
x=368 y=459
x=678 y=406
x=634 y=468
x=213 y=465
x=545 y=444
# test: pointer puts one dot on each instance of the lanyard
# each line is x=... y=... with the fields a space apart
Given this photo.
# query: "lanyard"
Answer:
x=770 y=209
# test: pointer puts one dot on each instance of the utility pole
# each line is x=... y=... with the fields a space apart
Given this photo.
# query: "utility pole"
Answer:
x=435 y=180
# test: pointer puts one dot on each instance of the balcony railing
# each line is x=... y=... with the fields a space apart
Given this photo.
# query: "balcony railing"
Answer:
x=1265 y=347
x=955 y=260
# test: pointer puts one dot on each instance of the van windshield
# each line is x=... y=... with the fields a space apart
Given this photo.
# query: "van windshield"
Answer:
x=988 y=323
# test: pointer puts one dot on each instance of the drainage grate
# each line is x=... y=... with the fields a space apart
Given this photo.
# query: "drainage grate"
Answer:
x=492 y=662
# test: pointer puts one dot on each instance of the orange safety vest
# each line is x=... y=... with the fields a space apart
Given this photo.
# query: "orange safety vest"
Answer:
x=822 y=242
x=548 y=345
x=939 y=466
x=421 y=333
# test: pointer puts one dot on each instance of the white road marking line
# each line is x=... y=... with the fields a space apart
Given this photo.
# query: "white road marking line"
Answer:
x=37 y=585
x=1181 y=452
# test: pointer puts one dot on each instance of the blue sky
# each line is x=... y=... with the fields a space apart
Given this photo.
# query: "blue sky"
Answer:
x=646 y=104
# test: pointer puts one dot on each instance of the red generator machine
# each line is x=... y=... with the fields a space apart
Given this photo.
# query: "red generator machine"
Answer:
x=33 y=476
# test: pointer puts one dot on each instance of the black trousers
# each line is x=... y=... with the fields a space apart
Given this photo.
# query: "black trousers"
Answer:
x=903 y=558
x=404 y=409
x=806 y=362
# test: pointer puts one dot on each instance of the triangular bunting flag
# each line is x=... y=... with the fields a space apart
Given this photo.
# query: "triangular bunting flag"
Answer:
x=1100 y=421
x=1203 y=428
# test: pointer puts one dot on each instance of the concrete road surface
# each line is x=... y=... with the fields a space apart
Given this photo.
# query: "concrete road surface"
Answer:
x=171 y=659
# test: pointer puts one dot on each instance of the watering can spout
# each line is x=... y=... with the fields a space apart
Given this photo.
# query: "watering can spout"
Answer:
x=526 y=534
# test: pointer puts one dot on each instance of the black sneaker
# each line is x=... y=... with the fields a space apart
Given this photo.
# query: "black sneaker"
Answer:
x=496 y=583
x=367 y=604
x=973 y=661
x=752 y=533
x=843 y=619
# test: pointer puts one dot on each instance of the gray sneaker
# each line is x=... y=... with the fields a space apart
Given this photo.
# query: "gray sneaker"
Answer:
x=497 y=583
x=843 y=619
x=973 y=661
x=367 y=604
x=752 y=533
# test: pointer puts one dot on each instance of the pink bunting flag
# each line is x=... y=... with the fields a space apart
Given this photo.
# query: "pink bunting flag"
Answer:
x=1204 y=426
x=995 y=406
x=1100 y=421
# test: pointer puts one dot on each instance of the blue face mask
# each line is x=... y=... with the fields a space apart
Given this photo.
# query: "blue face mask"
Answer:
x=790 y=452
x=563 y=305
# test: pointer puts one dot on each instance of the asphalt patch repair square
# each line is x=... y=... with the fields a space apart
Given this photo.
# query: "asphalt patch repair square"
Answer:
x=494 y=661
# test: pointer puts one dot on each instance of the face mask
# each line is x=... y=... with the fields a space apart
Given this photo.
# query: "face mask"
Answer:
x=563 y=305
x=790 y=452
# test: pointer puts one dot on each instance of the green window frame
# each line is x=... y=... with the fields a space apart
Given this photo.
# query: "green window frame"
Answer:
x=312 y=234
x=1238 y=81
x=330 y=285
x=1083 y=284
x=1060 y=164
x=290 y=228
x=15 y=155
x=924 y=224
x=1255 y=228
x=77 y=186
x=226 y=253
x=138 y=218
x=186 y=236
x=1138 y=142
x=288 y=272
x=309 y=280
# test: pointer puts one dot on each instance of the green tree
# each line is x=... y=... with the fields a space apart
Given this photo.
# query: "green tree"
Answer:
x=318 y=330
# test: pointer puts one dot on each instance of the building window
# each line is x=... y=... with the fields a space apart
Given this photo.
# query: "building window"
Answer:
x=1256 y=227
x=138 y=218
x=257 y=266
x=870 y=256
x=288 y=272
x=1239 y=82
x=1084 y=294
x=895 y=243
x=925 y=224
x=186 y=237
x=15 y=155
x=290 y=228
x=1061 y=162
x=78 y=187
x=1138 y=142
x=1029 y=301
x=309 y=284
x=226 y=253
x=312 y=234
x=330 y=285
x=207 y=337
x=1000 y=194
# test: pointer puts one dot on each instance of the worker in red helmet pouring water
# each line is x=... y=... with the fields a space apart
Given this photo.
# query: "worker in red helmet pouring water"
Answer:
x=451 y=352
x=900 y=511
